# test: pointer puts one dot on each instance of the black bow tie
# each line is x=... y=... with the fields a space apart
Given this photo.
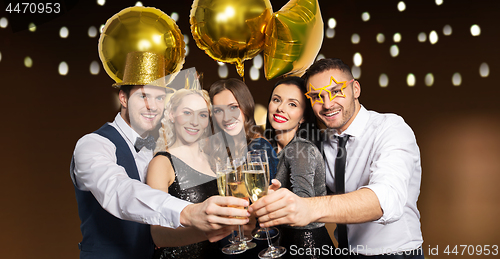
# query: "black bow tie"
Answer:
x=148 y=142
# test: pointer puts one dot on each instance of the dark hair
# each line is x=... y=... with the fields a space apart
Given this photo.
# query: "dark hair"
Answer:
x=308 y=128
x=246 y=104
x=325 y=65
x=126 y=89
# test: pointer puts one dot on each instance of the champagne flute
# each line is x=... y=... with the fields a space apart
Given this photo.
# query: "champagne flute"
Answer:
x=228 y=168
x=236 y=188
x=222 y=170
x=260 y=233
x=257 y=185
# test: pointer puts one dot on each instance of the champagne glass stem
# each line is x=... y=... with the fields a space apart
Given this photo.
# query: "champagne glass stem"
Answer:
x=268 y=239
x=240 y=231
x=233 y=237
x=272 y=251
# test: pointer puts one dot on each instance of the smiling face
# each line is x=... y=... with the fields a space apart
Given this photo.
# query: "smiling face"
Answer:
x=227 y=113
x=190 y=119
x=336 y=113
x=286 y=108
x=143 y=108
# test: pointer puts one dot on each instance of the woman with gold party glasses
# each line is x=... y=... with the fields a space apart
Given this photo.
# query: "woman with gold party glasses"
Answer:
x=301 y=169
x=181 y=168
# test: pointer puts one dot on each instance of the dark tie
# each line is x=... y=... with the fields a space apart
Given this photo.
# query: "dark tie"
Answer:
x=148 y=142
x=340 y=185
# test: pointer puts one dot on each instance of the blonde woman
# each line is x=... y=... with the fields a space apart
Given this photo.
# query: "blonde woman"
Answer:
x=181 y=168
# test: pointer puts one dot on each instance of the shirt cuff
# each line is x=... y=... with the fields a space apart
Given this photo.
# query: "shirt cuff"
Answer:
x=381 y=192
x=172 y=212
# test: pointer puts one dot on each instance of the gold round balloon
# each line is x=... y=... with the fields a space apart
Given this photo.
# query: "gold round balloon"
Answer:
x=293 y=39
x=140 y=29
x=230 y=31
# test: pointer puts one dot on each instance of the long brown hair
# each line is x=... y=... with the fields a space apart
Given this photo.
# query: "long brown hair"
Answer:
x=246 y=104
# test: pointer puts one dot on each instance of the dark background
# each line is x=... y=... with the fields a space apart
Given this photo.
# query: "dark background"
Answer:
x=43 y=114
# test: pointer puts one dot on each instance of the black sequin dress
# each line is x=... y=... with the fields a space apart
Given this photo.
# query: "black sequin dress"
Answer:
x=301 y=169
x=195 y=187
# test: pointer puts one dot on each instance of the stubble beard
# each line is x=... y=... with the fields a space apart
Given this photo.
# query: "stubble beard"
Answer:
x=346 y=116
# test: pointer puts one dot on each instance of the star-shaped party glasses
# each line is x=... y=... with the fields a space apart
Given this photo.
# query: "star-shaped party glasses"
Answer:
x=316 y=96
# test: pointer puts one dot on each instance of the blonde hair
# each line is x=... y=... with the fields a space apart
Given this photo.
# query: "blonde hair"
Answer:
x=167 y=136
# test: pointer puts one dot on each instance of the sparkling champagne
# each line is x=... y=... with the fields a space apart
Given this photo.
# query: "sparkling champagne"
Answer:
x=266 y=170
x=237 y=189
x=221 y=183
x=256 y=184
x=236 y=185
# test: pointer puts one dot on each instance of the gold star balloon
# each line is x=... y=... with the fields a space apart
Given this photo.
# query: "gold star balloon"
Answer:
x=143 y=29
x=293 y=39
x=230 y=31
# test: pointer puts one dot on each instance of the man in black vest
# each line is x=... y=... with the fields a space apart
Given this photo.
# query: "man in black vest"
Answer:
x=109 y=169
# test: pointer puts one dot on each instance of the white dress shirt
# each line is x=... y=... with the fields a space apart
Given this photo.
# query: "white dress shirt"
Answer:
x=382 y=155
x=96 y=171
